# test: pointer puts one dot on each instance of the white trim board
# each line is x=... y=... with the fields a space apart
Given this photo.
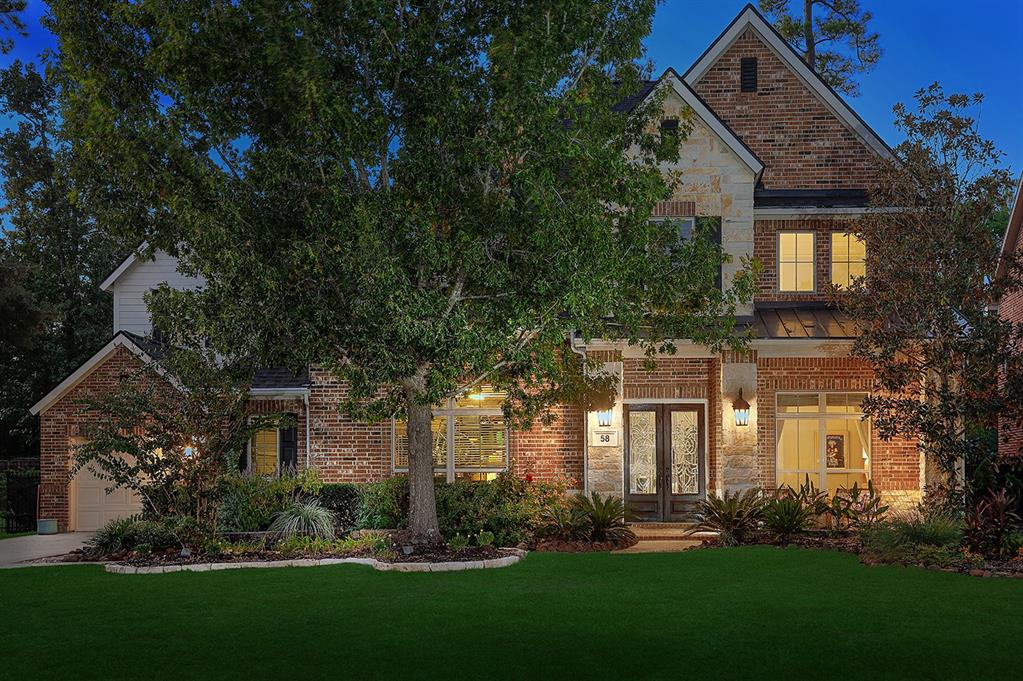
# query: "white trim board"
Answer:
x=749 y=17
x=123 y=267
x=80 y=374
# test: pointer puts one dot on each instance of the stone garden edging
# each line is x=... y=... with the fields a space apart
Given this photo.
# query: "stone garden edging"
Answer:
x=453 y=566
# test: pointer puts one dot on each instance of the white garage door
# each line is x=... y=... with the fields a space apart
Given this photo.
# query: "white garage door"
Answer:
x=94 y=508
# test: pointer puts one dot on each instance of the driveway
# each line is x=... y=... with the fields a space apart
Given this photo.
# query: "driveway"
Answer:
x=20 y=551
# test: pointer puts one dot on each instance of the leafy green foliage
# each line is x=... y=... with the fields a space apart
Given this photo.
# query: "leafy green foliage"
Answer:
x=305 y=518
x=785 y=516
x=735 y=516
x=343 y=500
x=930 y=540
x=603 y=518
x=53 y=315
x=248 y=503
x=138 y=534
x=509 y=507
x=458 y=543
x=384 y=504
x=461 y=168
x=485 y=538
x=855 y=507
x=844 y=29
x=947 y=369
x=172 y=430
x=565 y=522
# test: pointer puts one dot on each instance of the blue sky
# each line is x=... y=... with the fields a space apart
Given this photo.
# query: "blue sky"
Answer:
x=974 y=46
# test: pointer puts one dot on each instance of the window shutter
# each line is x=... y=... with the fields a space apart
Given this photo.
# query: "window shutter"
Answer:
x=748 y=74
x=289 y=448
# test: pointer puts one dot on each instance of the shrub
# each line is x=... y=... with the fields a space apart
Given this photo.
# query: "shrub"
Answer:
x=855 y=507
x=303 y=518
x=485 y=538
x=603 y=518
x=384 y=504
x=786 y=516
x=509 y=507
x=458 y=543
x=343 y=500
x=991 y=525
x=134 y=533
x=734 y=516
x=248 y=503
x=566 y=523
x=936 y=530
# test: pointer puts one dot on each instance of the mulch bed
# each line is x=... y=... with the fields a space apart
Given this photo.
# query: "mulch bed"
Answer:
x=850 y=543
x=562 y=546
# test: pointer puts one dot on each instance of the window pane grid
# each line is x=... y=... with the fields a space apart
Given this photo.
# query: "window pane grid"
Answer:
x=796 y=252
x=470 y=438
x=822 y=436
x=848 y=258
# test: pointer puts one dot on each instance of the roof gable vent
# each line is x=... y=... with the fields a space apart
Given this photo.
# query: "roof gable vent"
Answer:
x=748 y=74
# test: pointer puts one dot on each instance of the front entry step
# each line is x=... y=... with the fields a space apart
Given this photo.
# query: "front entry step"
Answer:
x=674 y=532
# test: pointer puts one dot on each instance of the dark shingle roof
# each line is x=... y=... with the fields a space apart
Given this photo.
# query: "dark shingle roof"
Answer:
x=280 y=378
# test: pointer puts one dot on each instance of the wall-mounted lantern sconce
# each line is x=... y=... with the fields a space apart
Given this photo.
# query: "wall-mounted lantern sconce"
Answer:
x=604 y=418
x=741 y=408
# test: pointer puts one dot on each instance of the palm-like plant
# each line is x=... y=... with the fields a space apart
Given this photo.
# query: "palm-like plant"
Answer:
x=603 y=517
x=733 y=516
x=303 y=518
x=786 y=516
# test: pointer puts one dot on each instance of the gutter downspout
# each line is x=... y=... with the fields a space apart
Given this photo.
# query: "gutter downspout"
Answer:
x=586 y=424
x=308 y=452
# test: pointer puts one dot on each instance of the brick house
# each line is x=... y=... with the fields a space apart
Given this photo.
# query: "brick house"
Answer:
x=784 y=164
x=1010 y=308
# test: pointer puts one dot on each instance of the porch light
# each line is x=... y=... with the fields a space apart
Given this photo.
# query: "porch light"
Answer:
x=741 y=408
x=604 y=418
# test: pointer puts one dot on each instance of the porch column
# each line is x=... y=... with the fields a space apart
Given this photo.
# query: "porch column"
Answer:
x=737 y=450
x=605 y=471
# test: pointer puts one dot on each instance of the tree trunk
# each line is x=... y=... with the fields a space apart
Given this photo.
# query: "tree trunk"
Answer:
x=811 y=49
x=422 y=500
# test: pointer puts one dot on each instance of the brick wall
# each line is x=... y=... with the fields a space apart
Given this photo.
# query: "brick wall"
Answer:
x=895 y=465
x=64 y=420
x=345 y=450
x=802 y=144
x=765 y=249
x=1010 y=308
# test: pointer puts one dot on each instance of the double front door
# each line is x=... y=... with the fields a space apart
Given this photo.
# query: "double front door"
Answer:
x=664 y=460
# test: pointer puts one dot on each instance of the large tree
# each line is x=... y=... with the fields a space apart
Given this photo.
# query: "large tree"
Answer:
x=418 y=197
x=948 y=366
x=837 y=43
x=59 y=255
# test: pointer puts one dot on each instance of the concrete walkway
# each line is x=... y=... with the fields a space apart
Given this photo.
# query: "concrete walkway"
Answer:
x=21 y=551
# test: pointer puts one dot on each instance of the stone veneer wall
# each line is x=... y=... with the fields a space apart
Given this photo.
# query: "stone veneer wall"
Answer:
x=715 y=183
x=802 y=143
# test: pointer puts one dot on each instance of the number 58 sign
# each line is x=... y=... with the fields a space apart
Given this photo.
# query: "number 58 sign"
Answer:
x=604 y=438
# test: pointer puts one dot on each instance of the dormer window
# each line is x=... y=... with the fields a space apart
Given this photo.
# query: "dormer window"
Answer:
x=748 y=74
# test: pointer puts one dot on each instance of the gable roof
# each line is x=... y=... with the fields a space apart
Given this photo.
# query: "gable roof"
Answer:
x=688 y=95
x=137 y=345
x=123 y=267
x=751 y=18
x=1012 y=230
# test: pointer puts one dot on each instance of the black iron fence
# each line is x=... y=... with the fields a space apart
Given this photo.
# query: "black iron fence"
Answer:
x=20 y=510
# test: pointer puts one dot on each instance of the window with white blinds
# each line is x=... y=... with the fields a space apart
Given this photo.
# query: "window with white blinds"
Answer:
x=470 y=437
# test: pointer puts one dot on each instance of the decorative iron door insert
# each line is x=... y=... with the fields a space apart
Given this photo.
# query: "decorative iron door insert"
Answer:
x=664 y=459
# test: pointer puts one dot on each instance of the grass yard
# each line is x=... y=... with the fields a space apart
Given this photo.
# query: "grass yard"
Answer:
x=6 y=535
x=759 y=611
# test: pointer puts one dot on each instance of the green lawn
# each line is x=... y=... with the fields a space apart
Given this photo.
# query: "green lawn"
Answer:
x=5 y=535
x=761 y=611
